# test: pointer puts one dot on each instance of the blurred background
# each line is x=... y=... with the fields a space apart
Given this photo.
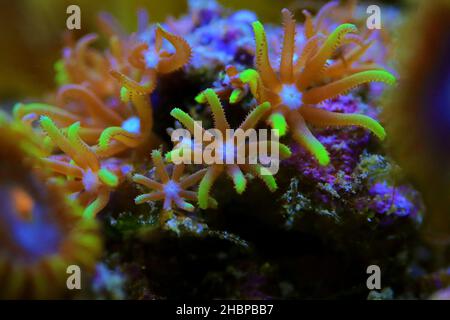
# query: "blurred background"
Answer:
x=31 y=33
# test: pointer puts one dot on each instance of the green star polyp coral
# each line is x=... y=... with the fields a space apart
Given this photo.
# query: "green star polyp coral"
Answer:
x=299 y=85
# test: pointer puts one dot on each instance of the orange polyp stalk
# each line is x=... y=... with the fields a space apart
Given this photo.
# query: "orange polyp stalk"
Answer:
x=82 y=147
x=82 y=46
x=192 y=179
x=220 y=120
x=149 y=183
x=97 y=205
x=254 y=116
x=160 y=169
x=109 y=25
x=339 y=67
x=136 y=57
x=65 y=118
x=305 y=138
x=116 y=48
x=154 y=196
x=322 y=118
x=90 y=135
x=179 y=58
x=85 y=64
x=133 y=85
x=353 y=38
x=308 y=25
x=178 y=172
x=96 y=108
x=331 y=90
x=267 y=74
x=287 y=54
x=316 y=64
x=206 y=184
x=129 y=139
x=63 y=168
x=189 y=195
x=349 y=70
x=308 y=50
x=74 y=186
x=142 y=104
x=113 y=149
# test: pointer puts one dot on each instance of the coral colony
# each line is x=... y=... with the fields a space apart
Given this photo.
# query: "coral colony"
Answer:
x=105 y=149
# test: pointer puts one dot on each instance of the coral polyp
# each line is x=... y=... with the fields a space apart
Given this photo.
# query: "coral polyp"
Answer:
x=91 y=179
x=41 y=230
x=299 y=85
x=173 y=190
x=226 y=150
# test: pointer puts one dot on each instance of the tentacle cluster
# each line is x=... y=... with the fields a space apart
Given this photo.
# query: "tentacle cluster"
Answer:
x=104 y=108
x=228 y=150
x=90 y=179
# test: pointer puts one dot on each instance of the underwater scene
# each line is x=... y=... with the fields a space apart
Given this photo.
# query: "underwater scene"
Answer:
x=224 y=149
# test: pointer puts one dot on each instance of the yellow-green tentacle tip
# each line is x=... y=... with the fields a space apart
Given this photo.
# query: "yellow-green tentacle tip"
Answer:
x=285 y=151
x=108 y=178
x=48 y=143
x=200 y=98
x=124 y=94
x=250 y=76
x=88 y=213
x=187 y=206
x=202 y=197
x=4 y=119
x=320 y=153
x=268 y=178
x=258 y=29
x=239 y=182
x=49 y=126
x=184 y=118
x=236 y=96
x=89 y=241
x=373 y=126
x=338 y=33
x=72 y=131
x=382 y=76
x=18 y=107
x=140 y=199
x=212 y=203
x=156 y=154
x=278 y=122
x=61 y=76
x=105 y=137
x=203 y=191
x=168 y=156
